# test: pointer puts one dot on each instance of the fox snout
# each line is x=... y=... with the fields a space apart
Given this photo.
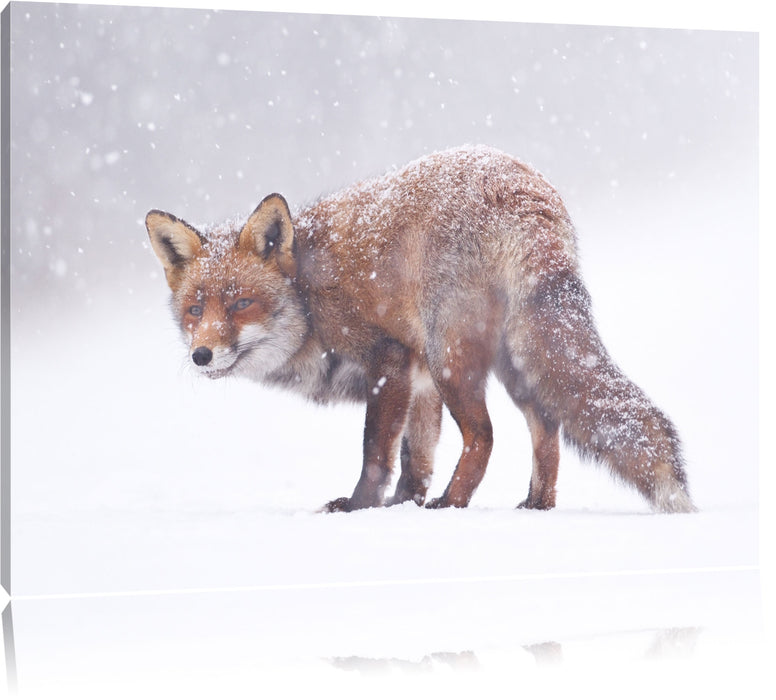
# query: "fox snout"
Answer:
x=213 y=361
x=202 y=356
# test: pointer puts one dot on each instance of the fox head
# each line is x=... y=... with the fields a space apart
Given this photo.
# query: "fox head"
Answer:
x=232 y=289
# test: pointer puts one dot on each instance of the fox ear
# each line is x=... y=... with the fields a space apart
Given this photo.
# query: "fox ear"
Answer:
x=269 y=232
x=174 y=241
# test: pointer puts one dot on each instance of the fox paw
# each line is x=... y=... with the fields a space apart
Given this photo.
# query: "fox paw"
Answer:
x=338 y=505
x=535 y=505
x=436 y=503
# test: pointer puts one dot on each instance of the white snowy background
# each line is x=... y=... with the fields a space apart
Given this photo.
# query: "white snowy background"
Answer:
x=132 y=476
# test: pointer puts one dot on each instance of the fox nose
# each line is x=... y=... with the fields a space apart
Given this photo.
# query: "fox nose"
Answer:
x=202 y=356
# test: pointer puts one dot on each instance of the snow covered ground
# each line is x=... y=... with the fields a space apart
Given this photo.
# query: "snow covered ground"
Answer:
x=165 y=534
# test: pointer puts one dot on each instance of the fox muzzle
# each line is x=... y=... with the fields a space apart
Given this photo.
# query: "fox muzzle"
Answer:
x=202 y=356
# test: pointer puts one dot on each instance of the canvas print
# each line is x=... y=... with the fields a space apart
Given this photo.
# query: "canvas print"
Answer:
x=312 y=319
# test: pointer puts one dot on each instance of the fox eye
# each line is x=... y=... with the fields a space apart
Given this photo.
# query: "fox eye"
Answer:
x=195 y=310
x=241 y=304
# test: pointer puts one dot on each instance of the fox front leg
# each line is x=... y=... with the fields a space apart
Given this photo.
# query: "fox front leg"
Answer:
x=388 y=400
x=421 y=435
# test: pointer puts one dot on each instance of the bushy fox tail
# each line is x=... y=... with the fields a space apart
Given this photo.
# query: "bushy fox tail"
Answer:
x=602 y=414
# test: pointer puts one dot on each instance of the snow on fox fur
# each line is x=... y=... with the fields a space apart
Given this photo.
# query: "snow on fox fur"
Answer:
x=406 y=292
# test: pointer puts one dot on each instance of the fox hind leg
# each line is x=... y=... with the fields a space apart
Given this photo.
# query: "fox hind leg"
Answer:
x=545 y=437
x=462 y=385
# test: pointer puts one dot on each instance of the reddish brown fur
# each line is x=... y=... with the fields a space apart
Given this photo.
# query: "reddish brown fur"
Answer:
x=406 y=292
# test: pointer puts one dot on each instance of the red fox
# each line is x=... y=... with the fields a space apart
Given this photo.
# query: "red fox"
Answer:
x=406 y=292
